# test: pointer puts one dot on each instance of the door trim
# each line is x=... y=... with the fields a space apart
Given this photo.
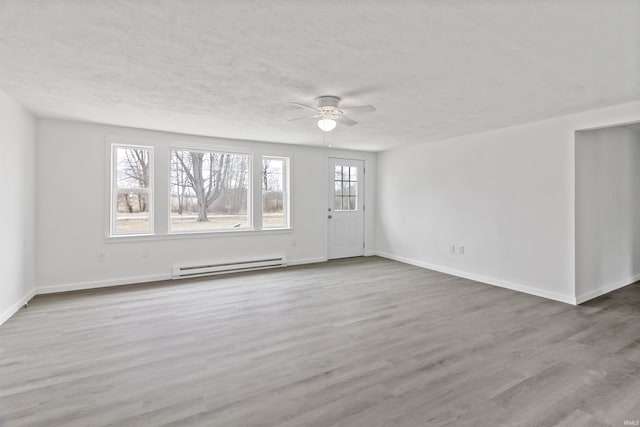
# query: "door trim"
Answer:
x=362 y=197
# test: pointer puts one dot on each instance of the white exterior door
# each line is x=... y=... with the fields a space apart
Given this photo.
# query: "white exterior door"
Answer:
x=345 y=208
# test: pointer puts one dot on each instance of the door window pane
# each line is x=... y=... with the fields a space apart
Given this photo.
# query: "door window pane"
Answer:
x=345 y=188
x=353 y=174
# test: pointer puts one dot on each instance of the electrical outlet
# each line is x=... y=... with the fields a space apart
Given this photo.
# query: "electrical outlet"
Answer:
x=101 y=256
x=452 y=249
x=461 y=250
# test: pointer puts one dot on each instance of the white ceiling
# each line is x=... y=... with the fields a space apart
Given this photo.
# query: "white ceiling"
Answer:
x=434 y=69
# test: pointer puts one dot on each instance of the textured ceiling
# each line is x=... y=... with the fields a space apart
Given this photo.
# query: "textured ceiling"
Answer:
x=433 y=69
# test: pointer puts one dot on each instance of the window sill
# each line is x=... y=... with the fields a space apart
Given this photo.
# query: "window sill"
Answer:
x=196 y=235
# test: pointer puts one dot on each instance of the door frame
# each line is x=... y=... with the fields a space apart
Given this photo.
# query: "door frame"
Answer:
x=328 y=191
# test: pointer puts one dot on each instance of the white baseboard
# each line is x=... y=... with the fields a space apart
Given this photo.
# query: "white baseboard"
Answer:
x=5 y=315
x=606 y=289
x=488 y=280
x=101 y=283
x=78 y=286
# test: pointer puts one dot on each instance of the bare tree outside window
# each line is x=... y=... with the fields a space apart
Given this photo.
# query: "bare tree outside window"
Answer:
x=209 y=190
x=274 y=192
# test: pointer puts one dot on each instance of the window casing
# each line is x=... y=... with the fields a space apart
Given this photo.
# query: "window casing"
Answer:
x=131 y=204
x=246 y=203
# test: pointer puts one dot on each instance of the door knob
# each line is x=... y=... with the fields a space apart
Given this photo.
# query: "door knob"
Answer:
x=329 y=216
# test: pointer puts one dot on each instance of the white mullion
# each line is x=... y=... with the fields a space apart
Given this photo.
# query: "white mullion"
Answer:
x=133 y=190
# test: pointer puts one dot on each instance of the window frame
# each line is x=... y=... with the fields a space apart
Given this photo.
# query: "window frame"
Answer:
x=349 y=182
x=160 y=157
x=114 y=190
x=250 y=208
x=286 y=189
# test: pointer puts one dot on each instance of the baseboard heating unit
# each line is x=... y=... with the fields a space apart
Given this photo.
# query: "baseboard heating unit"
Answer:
x=208 y=269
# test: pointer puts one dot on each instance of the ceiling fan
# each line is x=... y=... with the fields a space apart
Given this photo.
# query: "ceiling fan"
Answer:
x=329 y=111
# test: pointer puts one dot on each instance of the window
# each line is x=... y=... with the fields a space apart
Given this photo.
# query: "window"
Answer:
x=131 y=190
x=345 y=195
x=275 y=192
x=209 y=191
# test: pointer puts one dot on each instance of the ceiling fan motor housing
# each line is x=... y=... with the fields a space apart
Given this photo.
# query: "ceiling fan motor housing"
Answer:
x=327 y=103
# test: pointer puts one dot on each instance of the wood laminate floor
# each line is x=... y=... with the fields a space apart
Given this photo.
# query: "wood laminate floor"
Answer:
x=357 y=342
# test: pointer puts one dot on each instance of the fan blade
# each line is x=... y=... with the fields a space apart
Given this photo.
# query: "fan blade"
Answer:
x=360 y=109
x=345 y=120
x=303 y=106
x=304 y=117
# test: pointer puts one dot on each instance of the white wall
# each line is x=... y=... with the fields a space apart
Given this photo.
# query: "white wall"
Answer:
x=17 y=206
x=607 y=210
x=73 y=207
x=506 y=195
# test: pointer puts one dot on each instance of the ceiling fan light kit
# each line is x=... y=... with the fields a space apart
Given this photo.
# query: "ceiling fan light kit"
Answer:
x=328 y=109
x=327 y=125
